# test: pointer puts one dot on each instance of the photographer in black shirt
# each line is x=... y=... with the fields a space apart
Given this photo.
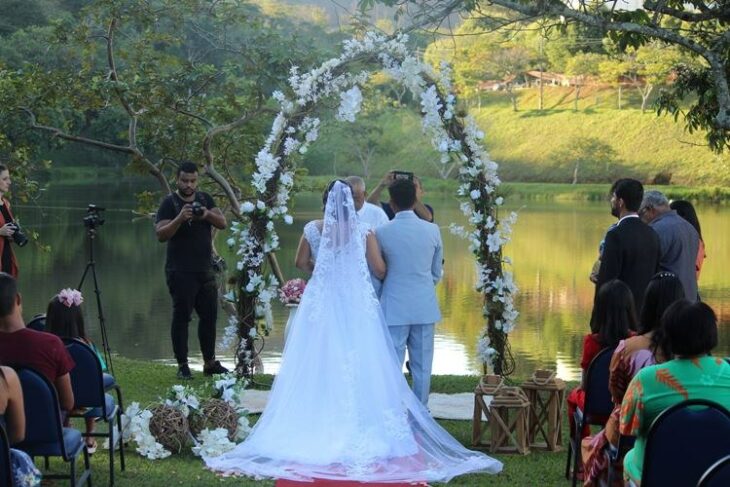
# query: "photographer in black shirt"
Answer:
x=185 y=220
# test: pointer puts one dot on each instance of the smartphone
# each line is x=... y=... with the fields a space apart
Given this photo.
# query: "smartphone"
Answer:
x=402 y=175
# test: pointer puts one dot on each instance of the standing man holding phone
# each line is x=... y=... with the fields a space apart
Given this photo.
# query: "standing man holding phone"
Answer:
x=422 y=210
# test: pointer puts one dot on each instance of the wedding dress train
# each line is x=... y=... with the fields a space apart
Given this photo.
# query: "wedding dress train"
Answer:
x=340 y=407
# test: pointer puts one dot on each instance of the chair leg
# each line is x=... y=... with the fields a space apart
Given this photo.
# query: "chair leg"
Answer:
x=87 y=466
x=73 y=471
x=570 y=452
x=576 y=443
x=121 y=439
x=111 y=451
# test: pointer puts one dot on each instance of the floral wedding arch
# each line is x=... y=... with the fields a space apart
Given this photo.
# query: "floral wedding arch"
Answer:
x=294 y=129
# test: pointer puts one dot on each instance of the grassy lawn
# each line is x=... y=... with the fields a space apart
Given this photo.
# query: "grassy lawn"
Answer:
x=145 y=381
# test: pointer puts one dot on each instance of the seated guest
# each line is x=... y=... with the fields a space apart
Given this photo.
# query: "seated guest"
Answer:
x=65 y=319
x=41 y=351
x=614 y=318
x=691 y=333
x=422 y=210
x=12 y=419
x=631 y=355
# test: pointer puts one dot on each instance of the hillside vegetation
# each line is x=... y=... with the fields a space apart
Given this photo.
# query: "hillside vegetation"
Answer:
x=537 y=146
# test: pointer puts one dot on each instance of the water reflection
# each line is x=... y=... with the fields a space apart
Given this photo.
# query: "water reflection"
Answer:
x=553 y=248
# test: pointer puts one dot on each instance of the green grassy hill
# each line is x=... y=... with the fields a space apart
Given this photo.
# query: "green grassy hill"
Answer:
x=541 y=146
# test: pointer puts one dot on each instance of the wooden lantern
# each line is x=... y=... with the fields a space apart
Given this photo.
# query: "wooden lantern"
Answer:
x=507 y=414
x=546 y=393
x=483 y=393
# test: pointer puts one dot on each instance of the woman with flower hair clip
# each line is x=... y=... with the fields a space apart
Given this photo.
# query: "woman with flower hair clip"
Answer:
x=65 y=319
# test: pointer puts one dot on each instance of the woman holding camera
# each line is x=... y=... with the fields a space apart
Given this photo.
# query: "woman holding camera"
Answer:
x=8 y=263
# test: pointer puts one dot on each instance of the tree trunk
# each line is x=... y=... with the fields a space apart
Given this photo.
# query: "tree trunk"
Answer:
x=645 y=96
x=620 y=89
x=577 y=97
x=512 y=97
x=575 y=173
x=540 y=99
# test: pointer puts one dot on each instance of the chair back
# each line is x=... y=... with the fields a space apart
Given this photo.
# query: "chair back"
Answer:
x=684 y=441
x=37 y=323
x=43 y=423
x=6 y=475
x=598 y=402
x=87 y=380
x=718 y=475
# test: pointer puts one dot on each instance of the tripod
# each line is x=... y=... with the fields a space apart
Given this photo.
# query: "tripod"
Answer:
x=91 y=265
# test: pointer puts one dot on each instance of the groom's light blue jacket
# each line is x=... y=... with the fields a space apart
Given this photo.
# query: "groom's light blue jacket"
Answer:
x=413 y=253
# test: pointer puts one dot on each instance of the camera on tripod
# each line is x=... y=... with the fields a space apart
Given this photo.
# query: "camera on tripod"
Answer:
x=93 y=216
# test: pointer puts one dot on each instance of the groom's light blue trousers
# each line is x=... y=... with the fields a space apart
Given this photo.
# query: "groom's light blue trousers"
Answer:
x=419 y=341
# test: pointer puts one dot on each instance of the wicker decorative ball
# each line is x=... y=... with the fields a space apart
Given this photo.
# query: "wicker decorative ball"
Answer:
x=169 y=426
x=213 y=414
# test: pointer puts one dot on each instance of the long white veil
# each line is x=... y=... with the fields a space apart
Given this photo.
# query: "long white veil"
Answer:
x=340 y=407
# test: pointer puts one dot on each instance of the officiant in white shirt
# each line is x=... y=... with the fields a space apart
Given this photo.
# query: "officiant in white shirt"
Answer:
x=368 y=213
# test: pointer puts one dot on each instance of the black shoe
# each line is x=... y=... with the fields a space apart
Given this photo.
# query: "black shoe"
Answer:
x=183 y=372
x=214 y=369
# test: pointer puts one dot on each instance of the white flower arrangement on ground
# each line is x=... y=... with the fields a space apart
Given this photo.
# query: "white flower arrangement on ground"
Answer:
x=292 y=132
x=228 y=387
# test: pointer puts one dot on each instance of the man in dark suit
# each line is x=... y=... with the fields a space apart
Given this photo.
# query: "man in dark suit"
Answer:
x=632 y=252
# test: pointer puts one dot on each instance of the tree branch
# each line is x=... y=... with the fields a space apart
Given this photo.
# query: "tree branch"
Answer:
x=133 y=151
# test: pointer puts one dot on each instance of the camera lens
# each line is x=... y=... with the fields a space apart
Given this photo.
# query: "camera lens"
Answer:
x=198 y=209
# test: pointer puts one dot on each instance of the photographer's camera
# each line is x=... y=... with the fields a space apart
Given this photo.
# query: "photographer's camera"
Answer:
x=198 y=209
x=20 y=239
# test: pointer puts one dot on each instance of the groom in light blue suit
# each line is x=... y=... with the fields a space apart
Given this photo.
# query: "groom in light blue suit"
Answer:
x=413 y=253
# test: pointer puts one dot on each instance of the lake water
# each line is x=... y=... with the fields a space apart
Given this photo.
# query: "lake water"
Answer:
x=553 y=247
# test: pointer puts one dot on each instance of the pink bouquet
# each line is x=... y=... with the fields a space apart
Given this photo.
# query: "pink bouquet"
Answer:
x=291 y=292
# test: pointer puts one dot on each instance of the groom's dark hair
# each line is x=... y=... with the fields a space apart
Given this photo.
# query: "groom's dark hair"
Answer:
x=403 y=193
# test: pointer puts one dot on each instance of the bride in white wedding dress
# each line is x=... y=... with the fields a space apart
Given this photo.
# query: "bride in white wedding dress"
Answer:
x=340 y=407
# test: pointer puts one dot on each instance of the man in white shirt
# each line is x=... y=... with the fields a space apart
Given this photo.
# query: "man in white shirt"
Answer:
x=372 y=215
x=369 y=213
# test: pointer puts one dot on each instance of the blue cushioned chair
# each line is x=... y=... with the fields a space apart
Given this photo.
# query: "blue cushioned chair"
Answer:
x=684 y=441
x=6 y=475
x=87 y=382
x=45 y=435
x=596 y=409
x=37 y=323
x=718 y=475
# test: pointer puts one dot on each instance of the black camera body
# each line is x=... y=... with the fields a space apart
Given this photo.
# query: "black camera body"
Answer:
x=20 y=239
x=198 y=209
x=94 y=217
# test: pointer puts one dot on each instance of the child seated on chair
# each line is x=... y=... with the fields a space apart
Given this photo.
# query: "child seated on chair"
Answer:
x=65 y=319
x=615 y=316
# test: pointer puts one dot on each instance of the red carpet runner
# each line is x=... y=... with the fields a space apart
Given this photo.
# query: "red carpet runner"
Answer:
x=342 y=483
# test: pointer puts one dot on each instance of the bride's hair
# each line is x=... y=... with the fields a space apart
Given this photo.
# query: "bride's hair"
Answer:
x=329 y=188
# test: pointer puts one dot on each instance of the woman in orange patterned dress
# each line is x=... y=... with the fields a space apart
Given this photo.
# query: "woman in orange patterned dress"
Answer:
x=691 y=334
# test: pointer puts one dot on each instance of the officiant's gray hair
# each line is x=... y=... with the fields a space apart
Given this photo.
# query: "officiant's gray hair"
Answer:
x=356 y=182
